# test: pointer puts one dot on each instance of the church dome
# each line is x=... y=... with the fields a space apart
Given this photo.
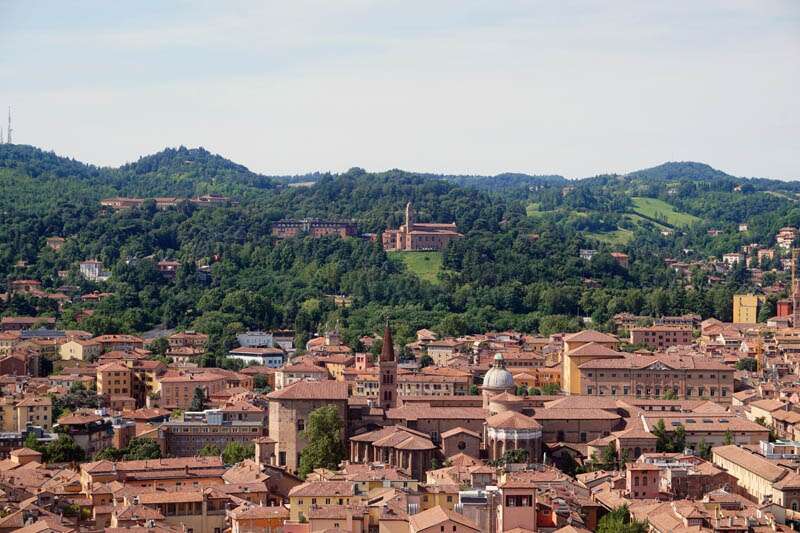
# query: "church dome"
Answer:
x=498 y=378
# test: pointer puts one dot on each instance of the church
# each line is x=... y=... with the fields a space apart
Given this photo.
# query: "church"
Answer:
x=418 y=236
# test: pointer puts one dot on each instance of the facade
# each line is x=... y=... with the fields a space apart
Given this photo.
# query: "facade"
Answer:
x=786 y=237
x=396 y=446
x=177 y=391
x=745 y=308
x=93 y=270
x=287 y=228
x=763 y=480
x=387 y=372
x=17 y=413
x=415 y=235
x=186 y=437
x=690 y=378
x=291 y=406
x=580 y=348
x=79 y=350
x=265 y=356
x=114 y=379
x=661 y=337
x=510 y=430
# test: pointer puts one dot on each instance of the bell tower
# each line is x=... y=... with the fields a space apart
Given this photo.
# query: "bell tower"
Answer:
x=387 y=370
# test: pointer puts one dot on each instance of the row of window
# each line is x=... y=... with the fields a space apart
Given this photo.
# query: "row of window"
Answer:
x=655 y=375
x=657 y=391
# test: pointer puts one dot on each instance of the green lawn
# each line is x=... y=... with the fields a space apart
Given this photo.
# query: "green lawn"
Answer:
x=661 y=210
x=426 y=265
x=532 y=209
x=617 y=237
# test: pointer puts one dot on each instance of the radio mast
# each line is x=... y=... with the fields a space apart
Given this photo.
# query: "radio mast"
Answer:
x=9 y=130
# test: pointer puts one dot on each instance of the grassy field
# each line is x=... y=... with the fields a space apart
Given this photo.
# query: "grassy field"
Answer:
x=617 y=237
x=426 y=265
x=660 y=210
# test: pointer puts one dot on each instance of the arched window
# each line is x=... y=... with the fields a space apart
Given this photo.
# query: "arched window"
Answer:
x=637 y=452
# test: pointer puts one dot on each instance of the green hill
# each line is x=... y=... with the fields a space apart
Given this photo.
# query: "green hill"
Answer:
x=661 y=211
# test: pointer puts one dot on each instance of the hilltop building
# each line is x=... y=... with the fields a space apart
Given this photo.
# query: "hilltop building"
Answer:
x=415 y=235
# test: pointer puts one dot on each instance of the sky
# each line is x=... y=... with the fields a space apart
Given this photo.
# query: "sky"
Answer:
x=570 y=87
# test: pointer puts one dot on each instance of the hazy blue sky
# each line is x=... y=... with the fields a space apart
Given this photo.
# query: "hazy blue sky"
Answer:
x=559 y=86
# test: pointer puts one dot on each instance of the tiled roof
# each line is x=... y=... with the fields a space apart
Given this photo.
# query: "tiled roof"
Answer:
x=323 y=488
x=551 y=413
x=512 y=420
x=589 y=335
x=312 y=390
x=750 y=462
x=438 y=515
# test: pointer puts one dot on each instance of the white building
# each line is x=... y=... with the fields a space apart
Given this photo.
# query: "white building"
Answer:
x=93 y=270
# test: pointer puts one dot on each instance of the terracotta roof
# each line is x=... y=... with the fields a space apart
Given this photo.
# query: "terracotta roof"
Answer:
x=671 y=362
x=589 y=335
x=553 y=413
x=750 y=462
x=438 y=515
x=424 y=411
x=512 y=420
x=312 y=390
x=323 y=488
x=593 y=349
x=457 y=431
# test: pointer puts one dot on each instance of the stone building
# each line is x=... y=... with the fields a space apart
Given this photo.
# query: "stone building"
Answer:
x=289 y=409
x=415 y=235
x=686 y=377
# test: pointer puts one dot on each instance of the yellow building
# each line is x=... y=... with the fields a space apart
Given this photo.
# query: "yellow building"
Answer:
x=80 y=350
x=320 y=494
x=17 y=413
x=445 y=496
x=580 y=348
x=745 y=308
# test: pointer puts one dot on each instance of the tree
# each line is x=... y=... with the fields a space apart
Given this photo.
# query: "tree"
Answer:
x=567 y=464
x=259 y=382
x=323 y=433
x=704 y=449
x=609 y=457
x=746 y=363
x=236 y=452
x=533 y=391
x=199 y=400
x=551 y=389
x=619 y=521
x=32 y=442
x=521 y=390
x=140 y=448
x=473 y=390
x=159 y=346
x=63 y=450
x=728 y=437
x=669 y=394
x=515 y=456
x=210 y=450
x=425 y=360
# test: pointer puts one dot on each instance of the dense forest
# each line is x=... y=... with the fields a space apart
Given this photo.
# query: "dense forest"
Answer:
x=518 y=265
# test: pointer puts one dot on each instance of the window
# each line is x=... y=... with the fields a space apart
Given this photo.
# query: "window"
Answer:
x=583 y=436
x=301 y=425
x=589 y=390
x=461 y=445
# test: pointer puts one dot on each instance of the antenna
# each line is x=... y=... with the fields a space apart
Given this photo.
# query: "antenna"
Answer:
x=9 y=130
x=1 y=135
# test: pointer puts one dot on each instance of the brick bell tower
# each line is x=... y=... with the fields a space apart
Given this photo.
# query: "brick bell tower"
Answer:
x=387 y=369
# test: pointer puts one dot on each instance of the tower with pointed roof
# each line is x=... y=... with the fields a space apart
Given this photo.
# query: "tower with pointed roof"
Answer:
x=387 y=371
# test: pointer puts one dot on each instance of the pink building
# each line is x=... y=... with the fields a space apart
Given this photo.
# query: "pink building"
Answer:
x=642 y=480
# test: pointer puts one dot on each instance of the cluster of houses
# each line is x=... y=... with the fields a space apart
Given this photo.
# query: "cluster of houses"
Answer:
x=498 y=432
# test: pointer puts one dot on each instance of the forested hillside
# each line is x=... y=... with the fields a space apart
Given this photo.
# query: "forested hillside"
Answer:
x=518 y=265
